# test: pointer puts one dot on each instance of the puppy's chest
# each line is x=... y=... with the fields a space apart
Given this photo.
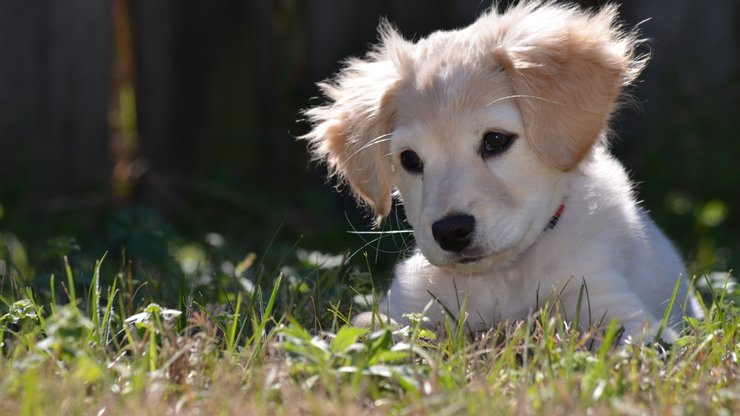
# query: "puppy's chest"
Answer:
x=493 y=297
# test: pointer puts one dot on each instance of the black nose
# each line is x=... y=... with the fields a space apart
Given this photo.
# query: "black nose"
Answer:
x=453 y=232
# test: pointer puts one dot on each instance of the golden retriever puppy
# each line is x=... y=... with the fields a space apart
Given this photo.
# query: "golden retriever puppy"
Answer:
x=495 y=137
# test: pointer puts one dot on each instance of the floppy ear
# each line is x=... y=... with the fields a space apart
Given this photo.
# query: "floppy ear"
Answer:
x=567 y=68
x=351 y=133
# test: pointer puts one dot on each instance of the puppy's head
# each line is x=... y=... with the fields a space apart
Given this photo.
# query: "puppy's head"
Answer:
x=477 y=128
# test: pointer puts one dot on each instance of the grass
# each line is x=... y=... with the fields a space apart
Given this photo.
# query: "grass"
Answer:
x=259 y=341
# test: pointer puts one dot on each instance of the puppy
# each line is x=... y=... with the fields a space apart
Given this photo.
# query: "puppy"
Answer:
x=495 y=137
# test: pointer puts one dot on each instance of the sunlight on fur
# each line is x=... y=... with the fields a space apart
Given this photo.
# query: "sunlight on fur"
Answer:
x=495 y=136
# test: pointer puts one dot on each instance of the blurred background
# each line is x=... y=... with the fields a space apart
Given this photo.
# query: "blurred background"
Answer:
x=163 y=131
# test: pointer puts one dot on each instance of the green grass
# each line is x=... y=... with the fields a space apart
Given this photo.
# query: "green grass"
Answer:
x=255 y=340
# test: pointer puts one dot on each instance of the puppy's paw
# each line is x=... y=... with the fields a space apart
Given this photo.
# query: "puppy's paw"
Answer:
x=374 y=321
x=647 y=334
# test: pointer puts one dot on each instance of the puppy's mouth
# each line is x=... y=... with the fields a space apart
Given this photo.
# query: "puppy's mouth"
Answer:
x=474 y=258
x=477 y=261
x=470 y=260
x=461 y=261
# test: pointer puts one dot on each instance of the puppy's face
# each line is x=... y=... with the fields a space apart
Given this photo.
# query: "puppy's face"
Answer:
x=477 y=128
x=473 y=189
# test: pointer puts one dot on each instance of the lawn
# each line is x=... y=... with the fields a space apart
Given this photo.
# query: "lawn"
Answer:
x=247 y=337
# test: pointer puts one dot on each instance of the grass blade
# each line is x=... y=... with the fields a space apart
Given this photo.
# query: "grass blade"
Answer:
x=231 y=344
x=70 y=283
x=105 y=324
x=266 y=314
x=667 y=313
x=94 y=304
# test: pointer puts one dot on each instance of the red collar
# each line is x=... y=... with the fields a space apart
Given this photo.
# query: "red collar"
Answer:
x=555 y=217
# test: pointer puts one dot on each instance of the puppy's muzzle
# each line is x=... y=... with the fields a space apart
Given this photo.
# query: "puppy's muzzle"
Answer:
x=454 y=232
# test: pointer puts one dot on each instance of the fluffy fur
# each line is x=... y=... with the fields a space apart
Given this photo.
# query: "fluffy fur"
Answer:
x=549 y=75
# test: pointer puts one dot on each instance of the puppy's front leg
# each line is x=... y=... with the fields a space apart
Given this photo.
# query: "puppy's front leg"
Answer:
x=641 y=332
x=638 y=325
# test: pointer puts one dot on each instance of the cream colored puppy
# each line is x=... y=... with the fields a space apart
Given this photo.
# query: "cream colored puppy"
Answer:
x=495 y=138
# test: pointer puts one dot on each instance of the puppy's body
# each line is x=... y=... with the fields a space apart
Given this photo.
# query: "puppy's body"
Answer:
x=602 y=238
x=495 y=137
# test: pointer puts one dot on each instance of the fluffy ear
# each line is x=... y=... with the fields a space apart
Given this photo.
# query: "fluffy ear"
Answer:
x=351 y=133
x=568 y=68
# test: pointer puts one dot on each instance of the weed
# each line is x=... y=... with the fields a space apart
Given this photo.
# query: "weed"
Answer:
x=284 y=345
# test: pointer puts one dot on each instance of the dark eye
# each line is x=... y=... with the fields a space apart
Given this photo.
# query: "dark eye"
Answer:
x=411 y=162
x=495 y=142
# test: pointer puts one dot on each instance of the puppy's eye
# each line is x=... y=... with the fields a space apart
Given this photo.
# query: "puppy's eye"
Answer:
x=411 y=162
x=495 y=142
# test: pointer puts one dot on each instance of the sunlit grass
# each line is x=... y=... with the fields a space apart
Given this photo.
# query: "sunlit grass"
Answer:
x=283 y=345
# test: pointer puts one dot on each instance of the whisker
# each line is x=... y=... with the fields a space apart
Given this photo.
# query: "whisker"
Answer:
x=523 y=96
x=377 y=237
x=377 y=140
x=381 y=232
x=369 y=243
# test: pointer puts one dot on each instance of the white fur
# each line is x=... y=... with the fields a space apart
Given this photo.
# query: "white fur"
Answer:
x=551 y=75
x=603 y=239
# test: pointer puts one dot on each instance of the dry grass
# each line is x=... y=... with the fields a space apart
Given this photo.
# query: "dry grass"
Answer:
x=254 y=357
